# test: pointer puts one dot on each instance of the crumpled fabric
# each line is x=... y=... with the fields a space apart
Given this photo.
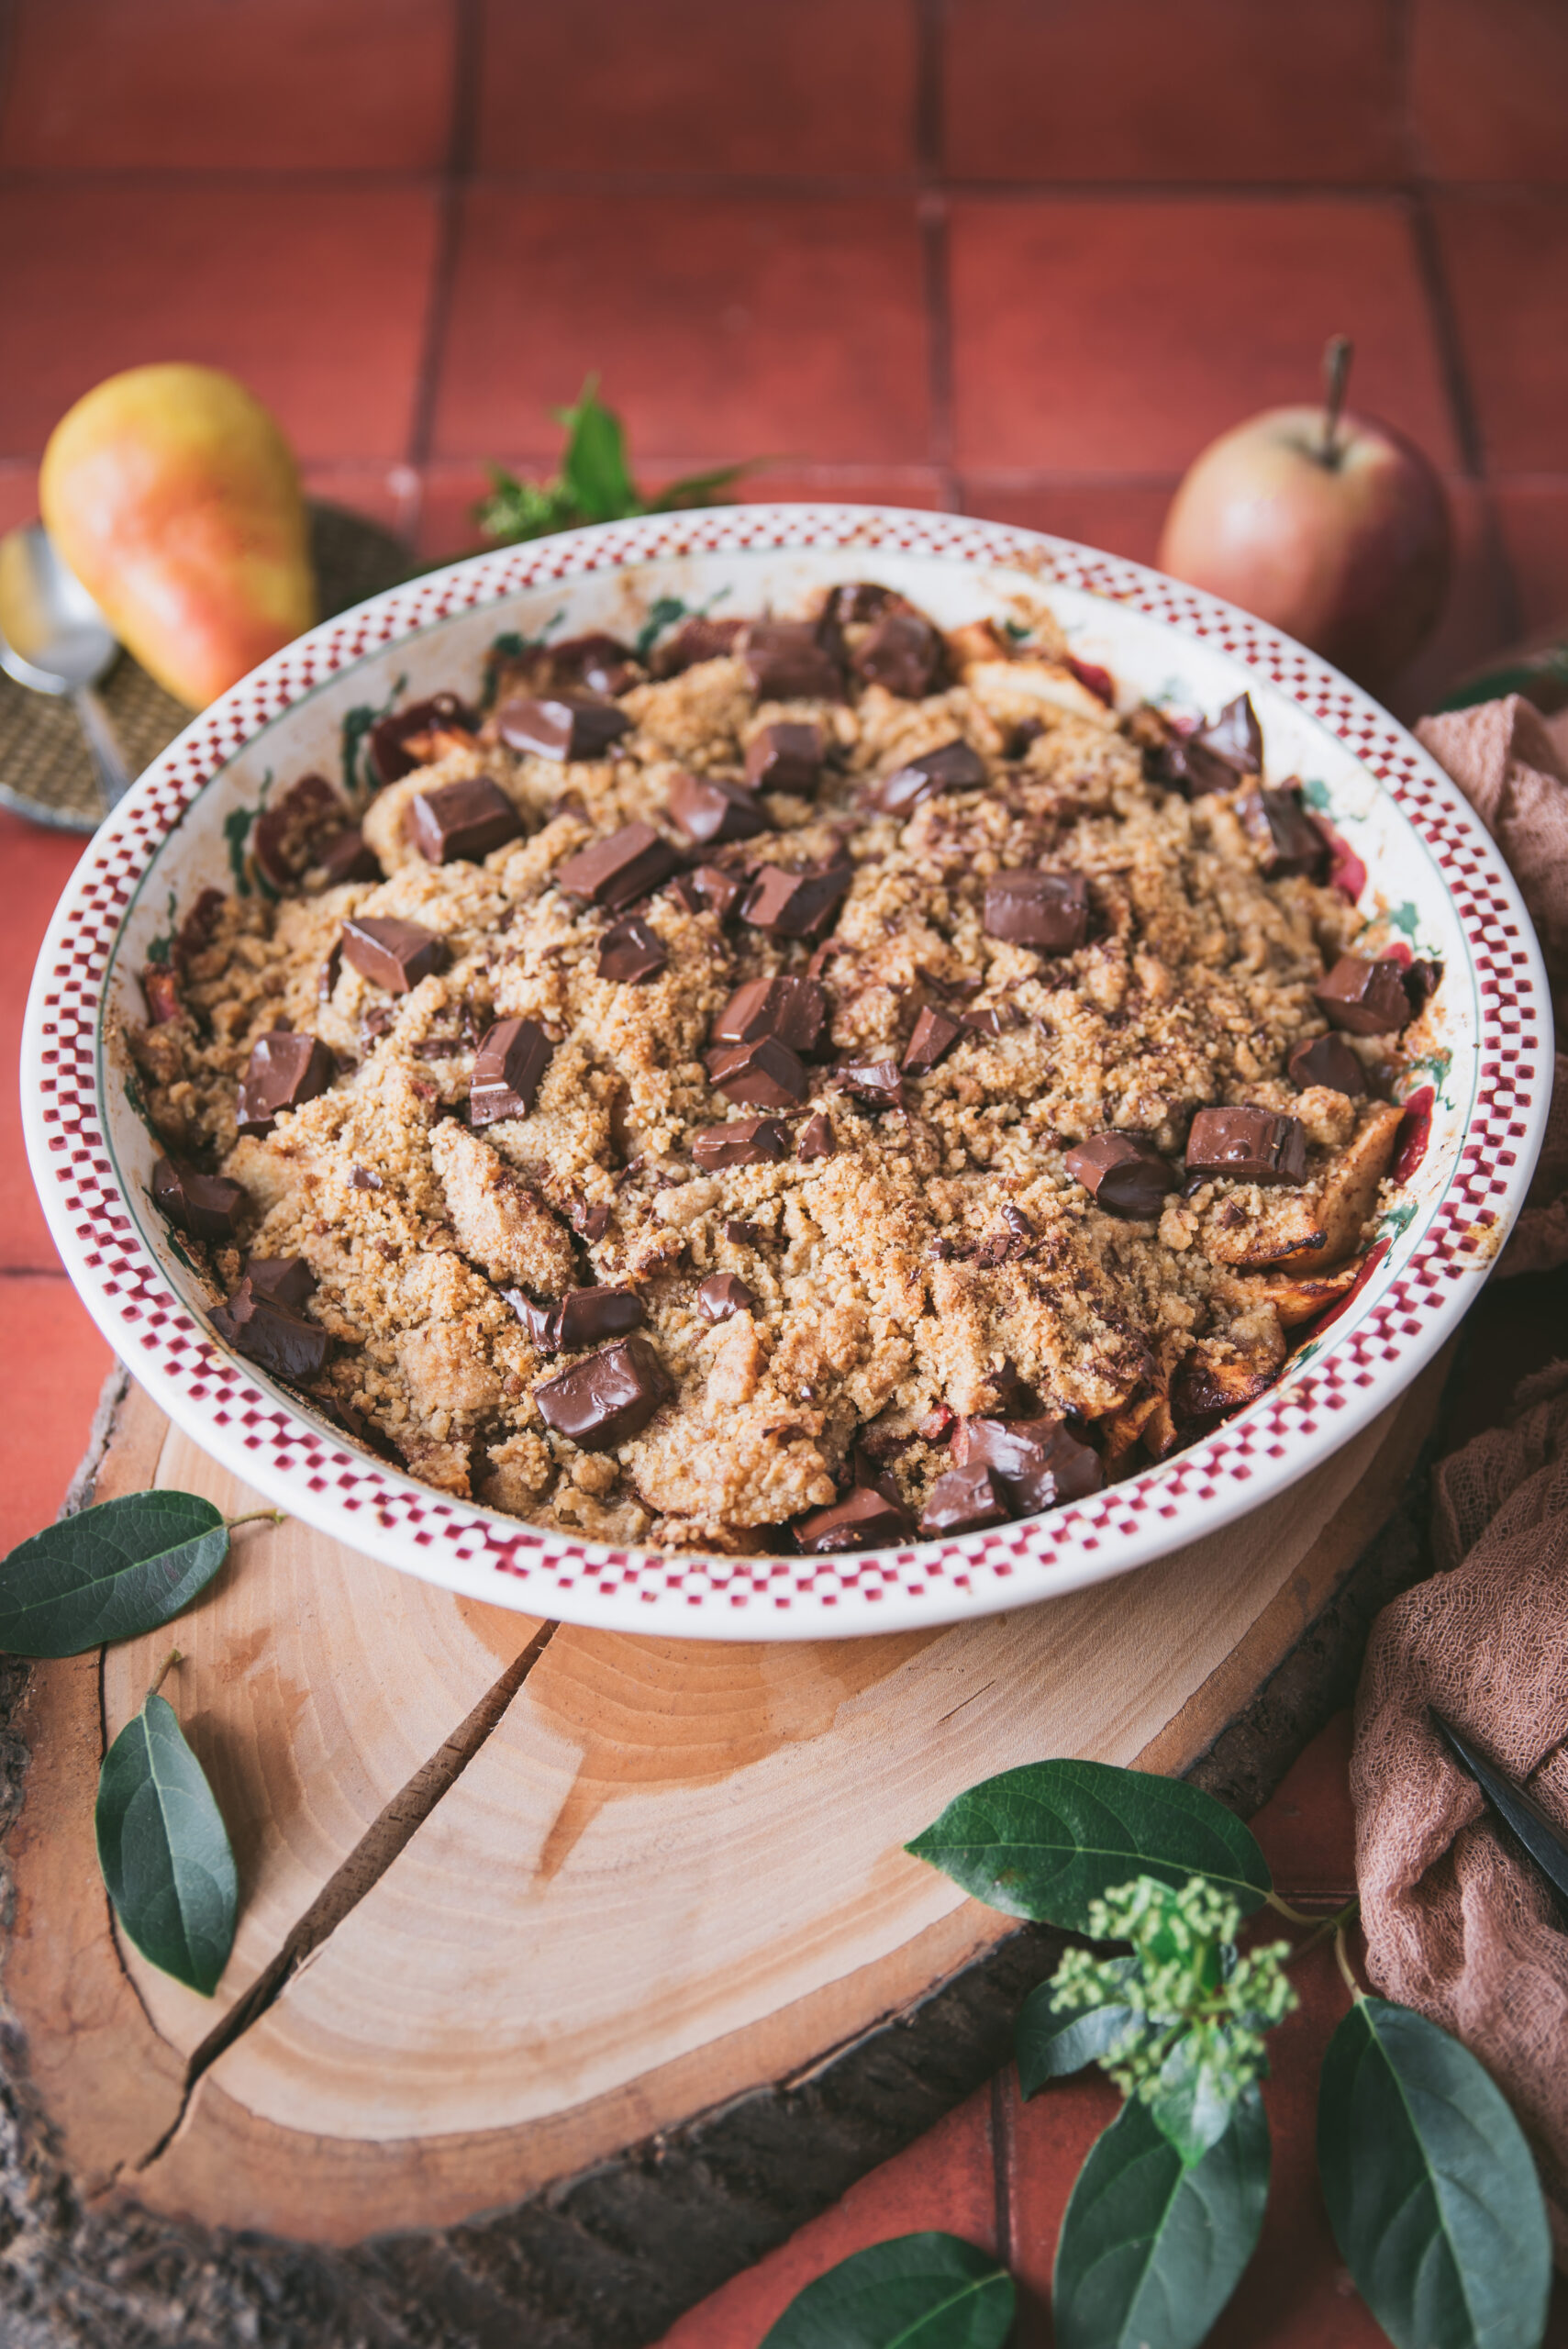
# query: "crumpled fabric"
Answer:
x=1459 y=1924
x=1509 y=768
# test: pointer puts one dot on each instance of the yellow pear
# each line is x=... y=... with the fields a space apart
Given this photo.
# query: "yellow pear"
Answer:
x=174 y=499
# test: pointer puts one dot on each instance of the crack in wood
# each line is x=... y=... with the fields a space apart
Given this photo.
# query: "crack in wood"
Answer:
x=387 y=1835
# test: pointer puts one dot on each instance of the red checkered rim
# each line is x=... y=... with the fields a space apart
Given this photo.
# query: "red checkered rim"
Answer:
x=1404 y=1314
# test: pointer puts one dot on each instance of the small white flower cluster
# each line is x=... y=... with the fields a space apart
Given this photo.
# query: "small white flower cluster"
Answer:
x=1196 y=2012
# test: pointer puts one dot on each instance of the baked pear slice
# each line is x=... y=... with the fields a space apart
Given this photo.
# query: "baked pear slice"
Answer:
x=1310 y=1227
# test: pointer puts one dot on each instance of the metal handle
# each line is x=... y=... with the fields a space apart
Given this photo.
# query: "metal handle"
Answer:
x=103 y=743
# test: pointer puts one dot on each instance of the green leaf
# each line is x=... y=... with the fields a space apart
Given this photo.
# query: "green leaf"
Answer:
x=1046 y=1840
x=1049 y=2044
x=926 y=2291
x=109 y=1573
x=1196 y=2094
x=696 y=489
x=1431 y=2191
x=1151 y=2249
x=593 y=469
x=164 y=1851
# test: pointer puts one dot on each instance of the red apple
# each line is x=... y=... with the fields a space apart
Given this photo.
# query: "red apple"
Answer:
x=1334 y=528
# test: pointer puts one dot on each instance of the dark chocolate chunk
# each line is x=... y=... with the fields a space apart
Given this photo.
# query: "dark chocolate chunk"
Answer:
x=541 y=1322
x=366 y=1178
x=592 y=1222
x=285 y=834
x=1365 y=998
x=785 y=757
x=327 y=978
x=765 y=1073
x=785 y=662
x=991 y=1020
x=745 y=1141
x=1122 y=1172
x=1422 y=980
x=271 y=1334
x=1288 y=842
x=722 y=1295
x=464 y=820
x=1039 y=1462
x=607 y=1399
x=407 y=740
x=901 y=652
x=1251 y=1143
x=817 y=1139
x=962 y=1501
x=603 y=663
x=708 y=889
x=561 y=726
x=1048 y=910
x=879 y=1083
x=865 y=1520
x=859 y=600
x=615 y=871
x=933 y=1033
x=206 y=1206
x=393 y=954
x=585 y=1315
x=1327 y=1059
x=1234 y=738
x=1018 y=1222
x=697 y=640
x=285 y=1071
x=706 y=808
x=512 y=1057
x=346 y=857
x=744 y=1235
x=953 y=766
x=288 y=1280
x=792 y=905
x=631 y=952
x=792 y=1010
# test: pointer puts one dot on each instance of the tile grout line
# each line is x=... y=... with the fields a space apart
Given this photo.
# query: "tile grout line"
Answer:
x=457 y=173
x=1002 y=2151
x=881 y=187
x=1446 y=331
x=932 y=212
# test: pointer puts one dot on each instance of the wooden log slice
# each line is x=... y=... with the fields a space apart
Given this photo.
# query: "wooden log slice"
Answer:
x=586 y=1930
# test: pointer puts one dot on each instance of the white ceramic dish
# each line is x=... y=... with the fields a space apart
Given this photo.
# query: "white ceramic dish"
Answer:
x=1436 y=880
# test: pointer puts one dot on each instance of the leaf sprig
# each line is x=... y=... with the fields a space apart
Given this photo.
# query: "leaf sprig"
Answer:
x=1190 y=2040
x=112 y=1573
x=1430 y=2186
x=595 y=484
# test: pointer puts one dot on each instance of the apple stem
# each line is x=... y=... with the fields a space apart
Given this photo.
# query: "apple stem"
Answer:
x=1337 y=354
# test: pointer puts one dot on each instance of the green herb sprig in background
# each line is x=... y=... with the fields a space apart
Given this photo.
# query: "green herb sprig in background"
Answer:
x=595 y=484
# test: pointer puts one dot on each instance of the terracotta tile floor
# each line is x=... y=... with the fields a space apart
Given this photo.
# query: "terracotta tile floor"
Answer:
x=1006 y=255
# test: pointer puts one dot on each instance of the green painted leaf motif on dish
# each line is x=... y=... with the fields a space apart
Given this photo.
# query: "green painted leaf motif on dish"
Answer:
x=1431 y=2191
x=164 y=1850
x=1047 y=1840
x=1151 y=2249
x=920 y=2291
x=111 y=1572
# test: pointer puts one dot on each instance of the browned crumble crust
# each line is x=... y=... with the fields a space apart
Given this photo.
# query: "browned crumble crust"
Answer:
x=939 y=1263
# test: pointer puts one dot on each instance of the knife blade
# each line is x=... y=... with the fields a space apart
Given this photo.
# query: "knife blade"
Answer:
x=1518 y=1812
